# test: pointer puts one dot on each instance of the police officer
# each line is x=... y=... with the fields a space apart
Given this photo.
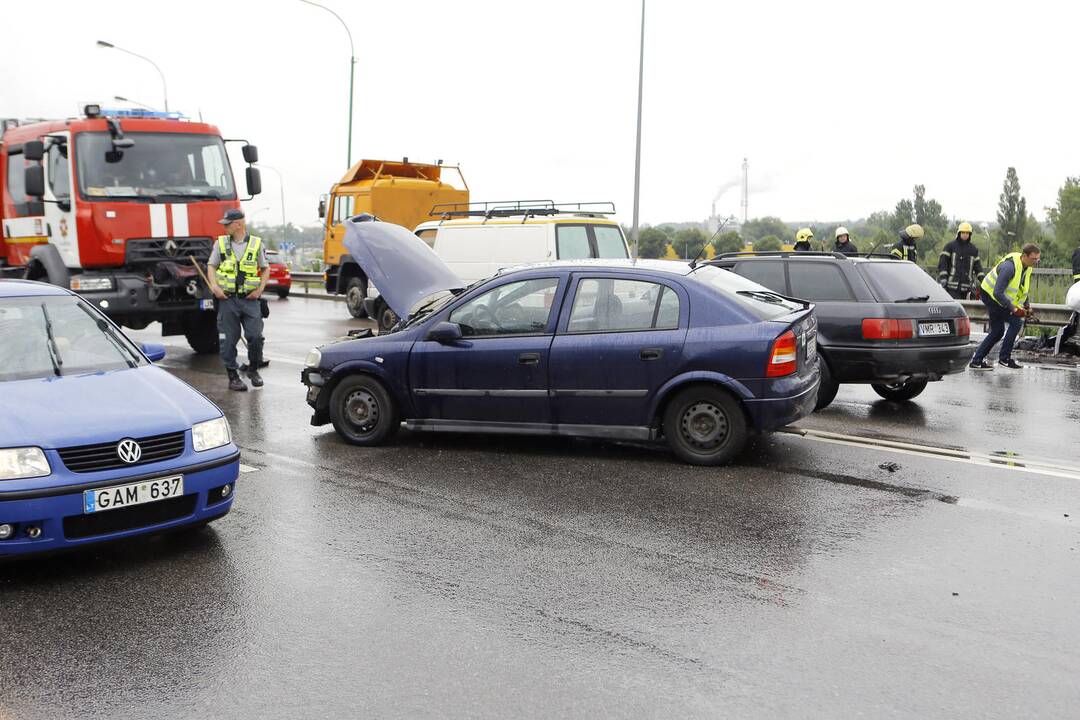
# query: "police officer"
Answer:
x=238 y=275
x=843 y=242
x=960 y=270
x=905 y=249
x=1004 y=292
x=802 y=240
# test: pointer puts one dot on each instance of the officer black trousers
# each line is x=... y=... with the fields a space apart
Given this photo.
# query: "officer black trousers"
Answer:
x=234 y=314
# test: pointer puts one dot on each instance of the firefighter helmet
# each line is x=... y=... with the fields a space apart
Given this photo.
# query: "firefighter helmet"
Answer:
x=842 y=231
x=804 y=235
x=964 y=227
x=914 y=231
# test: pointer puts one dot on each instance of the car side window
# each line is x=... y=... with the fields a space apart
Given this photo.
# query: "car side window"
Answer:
x=343 y=208
x=428 y=236
x=767 y=273
x=819 y=282
x=610 y=305
x=520 y=308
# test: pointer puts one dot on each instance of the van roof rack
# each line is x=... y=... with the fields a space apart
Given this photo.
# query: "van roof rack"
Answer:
x=520 y=208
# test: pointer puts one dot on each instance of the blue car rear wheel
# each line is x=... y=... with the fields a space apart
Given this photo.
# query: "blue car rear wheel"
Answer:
x=704 y=425
x=363 y=412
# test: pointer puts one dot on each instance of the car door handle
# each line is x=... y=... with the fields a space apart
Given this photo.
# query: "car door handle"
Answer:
x=650 y=353
x=529 y=359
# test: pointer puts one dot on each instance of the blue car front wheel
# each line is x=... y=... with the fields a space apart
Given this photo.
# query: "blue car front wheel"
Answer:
x=704 y=425
x=363 y=412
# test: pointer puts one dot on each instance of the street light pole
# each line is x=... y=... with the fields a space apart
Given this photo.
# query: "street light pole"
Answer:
x=133 y=102
x=352 y=72
x=281 y=187
x=164 y=86
x=637 y=150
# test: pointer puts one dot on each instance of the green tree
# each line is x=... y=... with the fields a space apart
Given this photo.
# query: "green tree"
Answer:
x=769 y=243
x=689 y=241
x=1065 y=217
x=760 y=227
x=730 y=241
x=652 y=242
x=1012 y=210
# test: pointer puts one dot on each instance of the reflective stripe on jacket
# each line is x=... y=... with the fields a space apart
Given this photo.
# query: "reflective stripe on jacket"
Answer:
x=231 y=270
x=1017 y=291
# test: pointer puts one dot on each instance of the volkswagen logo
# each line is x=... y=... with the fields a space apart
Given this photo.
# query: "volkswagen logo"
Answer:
x=171 y=247
x=934 y=310
x=129 y=451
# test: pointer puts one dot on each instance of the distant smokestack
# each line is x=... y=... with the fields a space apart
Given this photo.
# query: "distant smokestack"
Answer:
x=745 y=189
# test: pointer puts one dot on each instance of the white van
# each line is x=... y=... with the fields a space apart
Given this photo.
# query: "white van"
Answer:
x=477 y=243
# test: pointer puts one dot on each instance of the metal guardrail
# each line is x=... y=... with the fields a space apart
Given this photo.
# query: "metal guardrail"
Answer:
x=1045 y=314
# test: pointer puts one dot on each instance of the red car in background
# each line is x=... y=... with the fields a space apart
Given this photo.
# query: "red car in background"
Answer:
x=280 y=277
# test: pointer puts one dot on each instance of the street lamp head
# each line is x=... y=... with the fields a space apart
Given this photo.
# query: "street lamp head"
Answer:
x=103 y=44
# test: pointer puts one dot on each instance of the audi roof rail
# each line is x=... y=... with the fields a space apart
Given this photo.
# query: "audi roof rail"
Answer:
x=781 y=253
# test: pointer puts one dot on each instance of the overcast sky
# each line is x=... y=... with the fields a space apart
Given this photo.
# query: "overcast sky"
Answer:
x=841 y=107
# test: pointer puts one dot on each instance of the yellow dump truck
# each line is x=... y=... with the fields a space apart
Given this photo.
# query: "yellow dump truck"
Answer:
x=399 y=192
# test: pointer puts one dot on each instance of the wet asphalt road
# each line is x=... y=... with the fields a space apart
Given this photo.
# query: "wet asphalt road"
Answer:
x=448 y=576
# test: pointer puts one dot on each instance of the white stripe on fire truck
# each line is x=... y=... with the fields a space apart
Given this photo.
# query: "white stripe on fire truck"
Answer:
x=159 y=224
x=179 y=220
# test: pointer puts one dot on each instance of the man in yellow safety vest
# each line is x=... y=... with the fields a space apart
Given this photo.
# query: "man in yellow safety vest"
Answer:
x=1005 y=294
x=238 y=275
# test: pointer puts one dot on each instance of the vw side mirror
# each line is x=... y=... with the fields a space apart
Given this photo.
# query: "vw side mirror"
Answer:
x=153 y=351
x=445 y=333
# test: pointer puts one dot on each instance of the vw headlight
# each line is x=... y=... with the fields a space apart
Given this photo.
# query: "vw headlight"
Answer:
x=313 y=358
x=26 y=462
x=210 y=434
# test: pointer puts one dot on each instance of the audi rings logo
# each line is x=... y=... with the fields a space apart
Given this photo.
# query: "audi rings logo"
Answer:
x=129 y=451
x=934 y=310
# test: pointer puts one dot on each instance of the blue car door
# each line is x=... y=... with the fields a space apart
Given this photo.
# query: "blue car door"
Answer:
x=498 y=371
x=620 y=337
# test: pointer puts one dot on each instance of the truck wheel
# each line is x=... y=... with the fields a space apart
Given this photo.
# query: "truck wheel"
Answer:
x=386 y=317
x=363 y=412
x=354 y=298
x=200 y=329
x=900 y=391
x=828 y=387
x=283 y=293
x=705 y=426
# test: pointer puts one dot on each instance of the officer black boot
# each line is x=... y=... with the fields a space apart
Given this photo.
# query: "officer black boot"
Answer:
x=254 y=361
x=255 y=377
x=235 y=383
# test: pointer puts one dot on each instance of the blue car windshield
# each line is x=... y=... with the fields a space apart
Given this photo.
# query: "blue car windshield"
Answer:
x=759 y=300
x=56 y=336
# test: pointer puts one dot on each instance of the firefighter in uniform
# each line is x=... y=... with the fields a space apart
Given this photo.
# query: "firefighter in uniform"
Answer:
x=843 y=242
x=238 y=275
x=1076 y=265
x=802 y=240
x=905 y=249
x=1005 y=292
x=960 y=270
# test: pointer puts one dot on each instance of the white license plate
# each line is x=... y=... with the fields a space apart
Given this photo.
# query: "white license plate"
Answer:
x=931 y=329
x=207 y=304
x=811 y=348
x=121 y=496
x=271 y=281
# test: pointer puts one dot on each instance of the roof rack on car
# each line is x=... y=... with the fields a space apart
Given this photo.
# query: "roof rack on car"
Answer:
x=520 y=208
x=782 y=253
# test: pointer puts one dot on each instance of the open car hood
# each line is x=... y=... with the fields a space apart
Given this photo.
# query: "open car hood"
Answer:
x=399 y=264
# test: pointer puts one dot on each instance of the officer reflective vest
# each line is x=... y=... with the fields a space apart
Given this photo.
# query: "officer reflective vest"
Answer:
x=1017 y=291
x=230 y=270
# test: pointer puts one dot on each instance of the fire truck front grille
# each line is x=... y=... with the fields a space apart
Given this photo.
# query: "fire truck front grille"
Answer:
x=155 y=250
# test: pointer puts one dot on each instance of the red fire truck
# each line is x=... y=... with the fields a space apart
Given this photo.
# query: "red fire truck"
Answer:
x=113 y=204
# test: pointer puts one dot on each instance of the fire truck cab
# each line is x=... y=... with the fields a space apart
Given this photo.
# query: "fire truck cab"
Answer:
x=113 y=205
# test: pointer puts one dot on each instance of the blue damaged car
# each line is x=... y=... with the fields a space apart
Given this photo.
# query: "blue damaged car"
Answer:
x=632 y=350
x=96 y=443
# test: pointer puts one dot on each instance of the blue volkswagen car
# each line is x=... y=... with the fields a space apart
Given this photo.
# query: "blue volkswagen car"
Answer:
x=646 y=350
x=96 y=443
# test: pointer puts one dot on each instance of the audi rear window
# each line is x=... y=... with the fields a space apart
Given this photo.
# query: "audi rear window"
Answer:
x=894 y=282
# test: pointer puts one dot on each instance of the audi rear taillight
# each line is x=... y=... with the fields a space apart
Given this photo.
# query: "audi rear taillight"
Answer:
x=887 y=329
x=963 y=325
x=784 y=356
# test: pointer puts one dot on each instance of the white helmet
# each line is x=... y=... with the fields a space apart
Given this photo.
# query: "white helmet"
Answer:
x=842 y=231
